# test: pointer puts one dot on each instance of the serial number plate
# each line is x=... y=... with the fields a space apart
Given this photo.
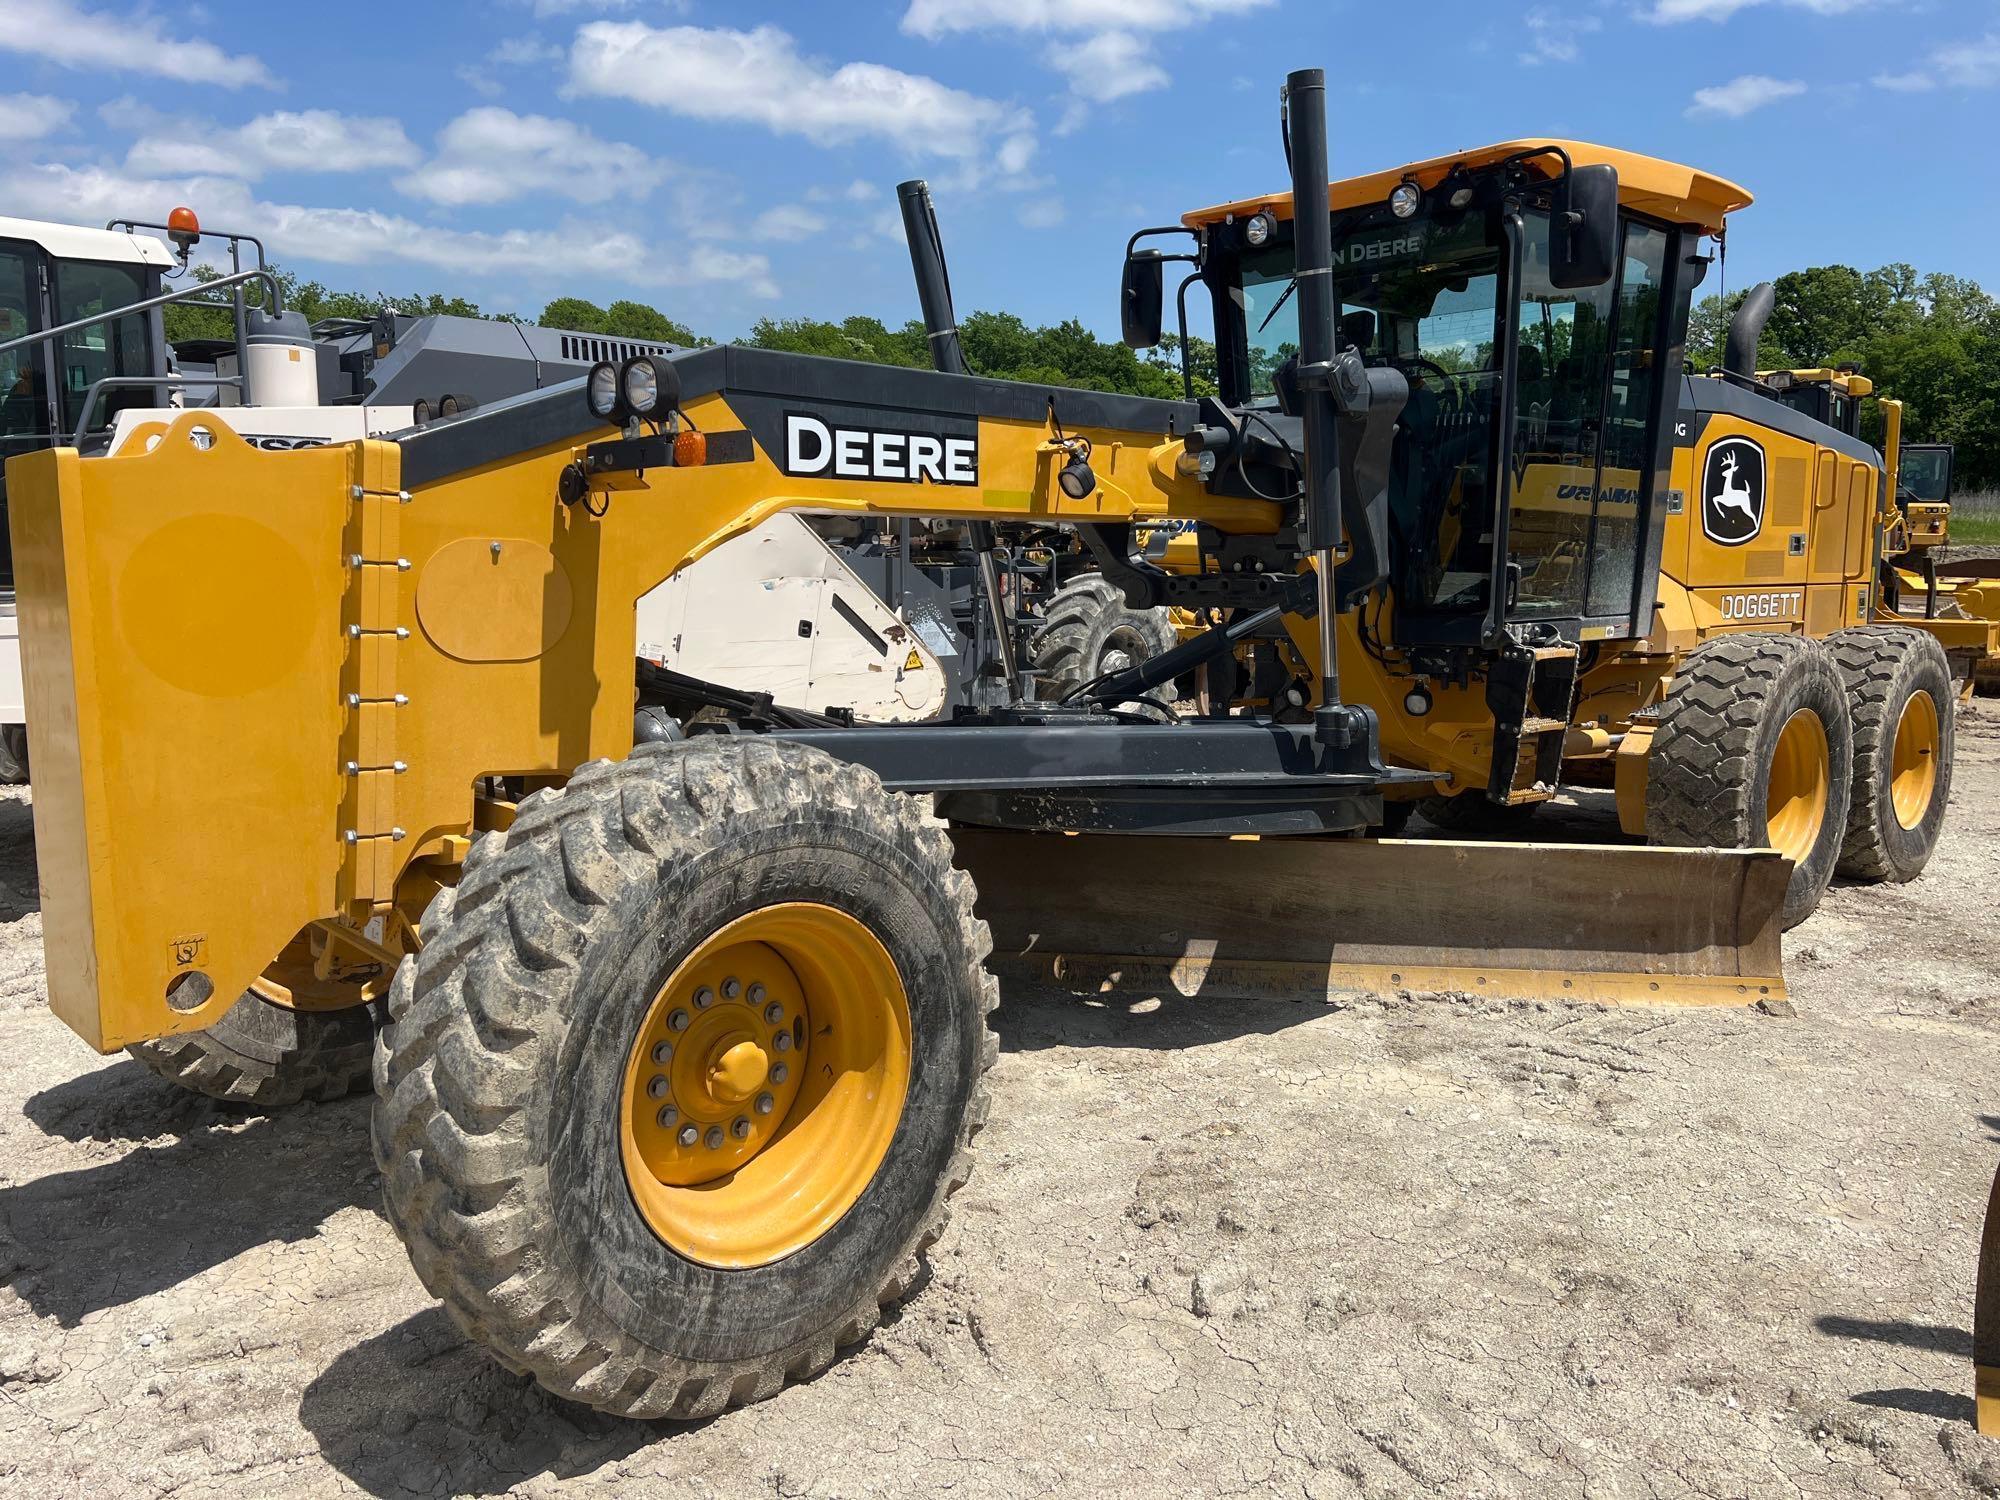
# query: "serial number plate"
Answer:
x=1781 y=604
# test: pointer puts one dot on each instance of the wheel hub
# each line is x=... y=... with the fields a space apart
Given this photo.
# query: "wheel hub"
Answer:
x=1914 y=760
x=1795 y=802
x=765 y=1084
x=717 y=1080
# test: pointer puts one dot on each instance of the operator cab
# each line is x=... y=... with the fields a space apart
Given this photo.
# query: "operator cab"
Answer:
x=51 y=274
x=1832 y=397
x=1444 y=269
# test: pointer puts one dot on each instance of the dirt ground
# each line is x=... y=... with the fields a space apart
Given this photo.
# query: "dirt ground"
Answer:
x=1376 y=1249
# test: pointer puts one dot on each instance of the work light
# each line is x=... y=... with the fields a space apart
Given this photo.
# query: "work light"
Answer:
x=651 y=387
x=1406 y=200
x=601 y=393
x=1258 y=229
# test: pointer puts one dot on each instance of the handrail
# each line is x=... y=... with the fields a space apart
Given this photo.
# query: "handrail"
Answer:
x=143 y=381
x=179 y=294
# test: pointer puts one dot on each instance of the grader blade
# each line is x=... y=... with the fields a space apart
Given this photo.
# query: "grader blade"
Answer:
x=1309 y=918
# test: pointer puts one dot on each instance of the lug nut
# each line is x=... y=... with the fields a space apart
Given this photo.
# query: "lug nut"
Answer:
x=782 y=1041
x=668 y=1114
x=780 y=1072
x=689 y=1135
x=657 y=1086
x=765 y=1104
x=678 y=1021
x=663 y=1052
x=774 y=1013
x=740 y=1127
x=756 y=994
x=704 y=998
x=715 y=1137
x=731 y=988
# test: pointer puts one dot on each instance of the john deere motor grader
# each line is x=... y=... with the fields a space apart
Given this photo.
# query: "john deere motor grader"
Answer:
x=681 y=1045
x=1593 y=569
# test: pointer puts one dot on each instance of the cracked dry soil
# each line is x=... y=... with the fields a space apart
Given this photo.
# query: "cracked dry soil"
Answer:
x=1374 y=1249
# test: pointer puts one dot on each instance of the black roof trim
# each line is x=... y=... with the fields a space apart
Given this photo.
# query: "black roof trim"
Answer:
x=557 y=414
x=1711 y=396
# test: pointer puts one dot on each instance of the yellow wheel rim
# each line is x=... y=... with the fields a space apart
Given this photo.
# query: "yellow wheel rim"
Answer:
x=1913 y=763
x=1795 y=806
x=765 y=1085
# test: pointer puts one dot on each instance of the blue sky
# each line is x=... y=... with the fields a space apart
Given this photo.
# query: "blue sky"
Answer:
x=727 y=161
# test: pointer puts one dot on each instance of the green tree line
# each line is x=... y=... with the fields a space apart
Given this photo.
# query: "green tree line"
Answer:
x=1931 y=341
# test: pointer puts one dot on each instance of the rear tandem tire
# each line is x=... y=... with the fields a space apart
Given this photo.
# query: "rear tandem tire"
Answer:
x=1902 y=749
x=513 y=1092
x=269 y=1055
x=1746 y=713
x=1088 y=629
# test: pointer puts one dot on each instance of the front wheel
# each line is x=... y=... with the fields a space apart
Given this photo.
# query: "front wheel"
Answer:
x=1754 y=748
x=674 y=1095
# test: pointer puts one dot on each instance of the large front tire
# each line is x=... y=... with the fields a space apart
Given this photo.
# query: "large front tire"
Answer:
x=542 y=1035
x=1755 y=748
x=1900 y=691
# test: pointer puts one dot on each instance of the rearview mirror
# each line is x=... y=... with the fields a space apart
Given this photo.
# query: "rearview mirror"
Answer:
x=1142 y=297
x=1583 y=230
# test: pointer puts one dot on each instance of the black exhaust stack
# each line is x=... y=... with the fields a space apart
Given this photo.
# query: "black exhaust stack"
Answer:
x=1746 y=330
x=920 y=228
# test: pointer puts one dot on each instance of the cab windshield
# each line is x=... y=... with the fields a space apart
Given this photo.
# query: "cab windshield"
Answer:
x=1429 y=296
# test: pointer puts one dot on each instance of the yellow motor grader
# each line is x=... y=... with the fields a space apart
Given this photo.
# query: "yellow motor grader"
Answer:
x=1593 y=570
x=678 y=1038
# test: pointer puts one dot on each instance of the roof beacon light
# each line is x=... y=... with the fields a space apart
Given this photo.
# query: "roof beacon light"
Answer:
x=1406 y=199
x=183 y=228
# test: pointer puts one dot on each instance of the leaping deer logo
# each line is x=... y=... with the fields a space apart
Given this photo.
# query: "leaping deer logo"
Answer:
x=1732 y=511
x=1734 y=495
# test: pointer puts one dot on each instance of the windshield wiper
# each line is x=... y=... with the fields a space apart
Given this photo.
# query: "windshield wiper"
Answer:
x=1290 y=287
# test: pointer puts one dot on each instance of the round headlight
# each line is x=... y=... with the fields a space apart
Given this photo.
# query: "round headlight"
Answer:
x=1406 y=200
x=1258 y=229
x=651 y=387
x=641 y=385
x=601 y=392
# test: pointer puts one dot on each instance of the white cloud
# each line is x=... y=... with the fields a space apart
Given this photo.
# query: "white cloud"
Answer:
x=489 y=155
x=1553 y=35
x=788 y=221
x=1041 y=213
x=512 y=52
x=759 y=77
x=1961 y=65
x=311 y=140
x=1669 y=12
x=61 y=32
x=1739 y=96
x=29 y=117
x=366 y=237
x=546 y=8
x=1111 y=65
x=1096 y=43
x=860 y=190
x=936 y=18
